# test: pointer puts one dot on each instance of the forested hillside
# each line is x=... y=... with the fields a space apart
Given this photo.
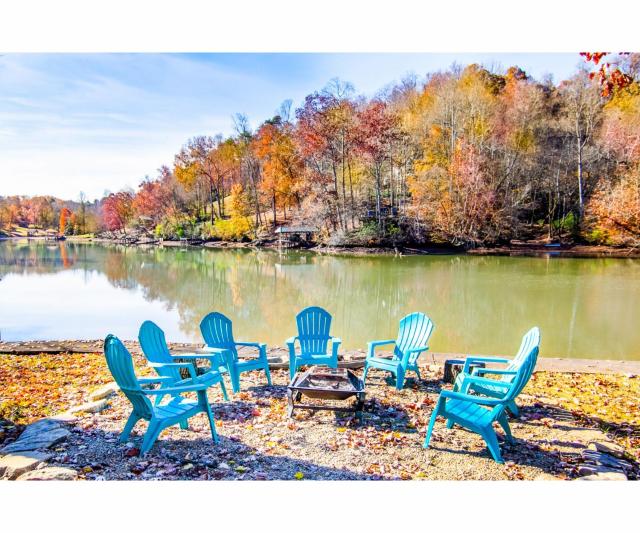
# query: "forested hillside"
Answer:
x=465 y=157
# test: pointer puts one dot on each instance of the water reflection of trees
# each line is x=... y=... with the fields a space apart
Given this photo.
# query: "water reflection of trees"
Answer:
x=585 y=308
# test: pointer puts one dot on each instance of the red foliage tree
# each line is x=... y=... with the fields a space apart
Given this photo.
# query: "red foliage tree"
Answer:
x=153 y=200
x=610 y=77
x=117 y=210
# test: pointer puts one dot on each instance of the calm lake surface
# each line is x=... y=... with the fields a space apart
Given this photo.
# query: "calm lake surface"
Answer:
x=585 y=308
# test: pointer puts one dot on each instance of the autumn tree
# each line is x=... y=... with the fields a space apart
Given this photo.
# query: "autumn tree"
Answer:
x=325 y=138
x=377 y=131
x=65 y=213
x=582 y=112
x=280 y=163
x=117 y=210
x=198 y=167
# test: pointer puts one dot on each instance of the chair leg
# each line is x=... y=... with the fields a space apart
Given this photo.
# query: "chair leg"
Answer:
x=133 y=419
x=450 y=424
x=268 y=373
x=184 y=424
x=491 y=439
x=513 y=408
x=224 y=389
x=432 y=422
x=204 y=401
x=153 y=432
x=364 y=374
x=292 y=367
x=504 y=424
x=417 y=370
x=399 y=379
x=235 y=379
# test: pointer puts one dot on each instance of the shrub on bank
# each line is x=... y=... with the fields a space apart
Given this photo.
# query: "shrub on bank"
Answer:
x=232 y=229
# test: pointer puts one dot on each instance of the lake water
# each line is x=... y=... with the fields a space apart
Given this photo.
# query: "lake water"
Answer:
x=585 y=308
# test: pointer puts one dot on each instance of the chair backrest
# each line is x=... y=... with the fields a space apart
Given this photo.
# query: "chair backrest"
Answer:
x=414 y=331
x=153 y=343
x=155 y=349
x=313 y=324
x=217 y=332
x=521 y=379
x=120 y=364
x=530 y=339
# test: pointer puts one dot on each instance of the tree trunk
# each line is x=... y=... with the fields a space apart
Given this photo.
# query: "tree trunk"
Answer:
x=274 y=210
x=353 y=204
x=580 y=199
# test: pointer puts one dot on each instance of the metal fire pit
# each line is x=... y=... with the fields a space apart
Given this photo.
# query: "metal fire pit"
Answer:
x=325 y=384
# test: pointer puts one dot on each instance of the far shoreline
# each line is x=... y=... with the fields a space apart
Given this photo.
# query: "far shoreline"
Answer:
x=523 y=249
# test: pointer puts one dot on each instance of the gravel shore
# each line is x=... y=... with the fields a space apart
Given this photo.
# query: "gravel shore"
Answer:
x=258 y=441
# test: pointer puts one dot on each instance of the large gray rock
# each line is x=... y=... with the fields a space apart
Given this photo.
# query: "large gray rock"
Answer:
x=605 y=459
x=14 y=465
x=604 y=476
x=52 y=473
x=41 y=434
x=591 y=469
x=608 y=447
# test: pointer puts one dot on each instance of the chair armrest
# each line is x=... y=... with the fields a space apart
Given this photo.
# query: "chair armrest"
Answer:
x=192 y=356
x=381 y=343
x=189 y=366
x=418 y=349
x=470 y=380
x=469 y=398
x=186 y=385
x=291 y=340
x=371 y=346
x=497 y=371
x=254 y=344
x=407 y=353
x=211 y=349
x=481 y=359
x=213 y=358
x=335 y=346
x=178 y=390
x=158 y=379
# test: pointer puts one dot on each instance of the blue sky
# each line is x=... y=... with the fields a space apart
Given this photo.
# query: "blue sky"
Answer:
x=97 y=122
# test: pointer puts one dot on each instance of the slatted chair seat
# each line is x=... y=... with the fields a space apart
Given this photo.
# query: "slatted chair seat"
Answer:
x=176 y=410
x=478 y=413
x=217 y=331
x=464 y=409
x=154 y=347
x=314 y=325
x=414 y=332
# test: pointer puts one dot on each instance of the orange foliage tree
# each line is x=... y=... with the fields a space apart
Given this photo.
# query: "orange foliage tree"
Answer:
x=64 y=216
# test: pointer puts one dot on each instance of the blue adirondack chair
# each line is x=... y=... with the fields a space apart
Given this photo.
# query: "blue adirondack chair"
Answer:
x=177 y=410
x=413 y=338
x=313 y=337
x=478 y=413
x=217 y=331
x=529 y=340
x=154 y=346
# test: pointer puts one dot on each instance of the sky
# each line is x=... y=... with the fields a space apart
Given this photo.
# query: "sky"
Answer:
x=103 y=122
